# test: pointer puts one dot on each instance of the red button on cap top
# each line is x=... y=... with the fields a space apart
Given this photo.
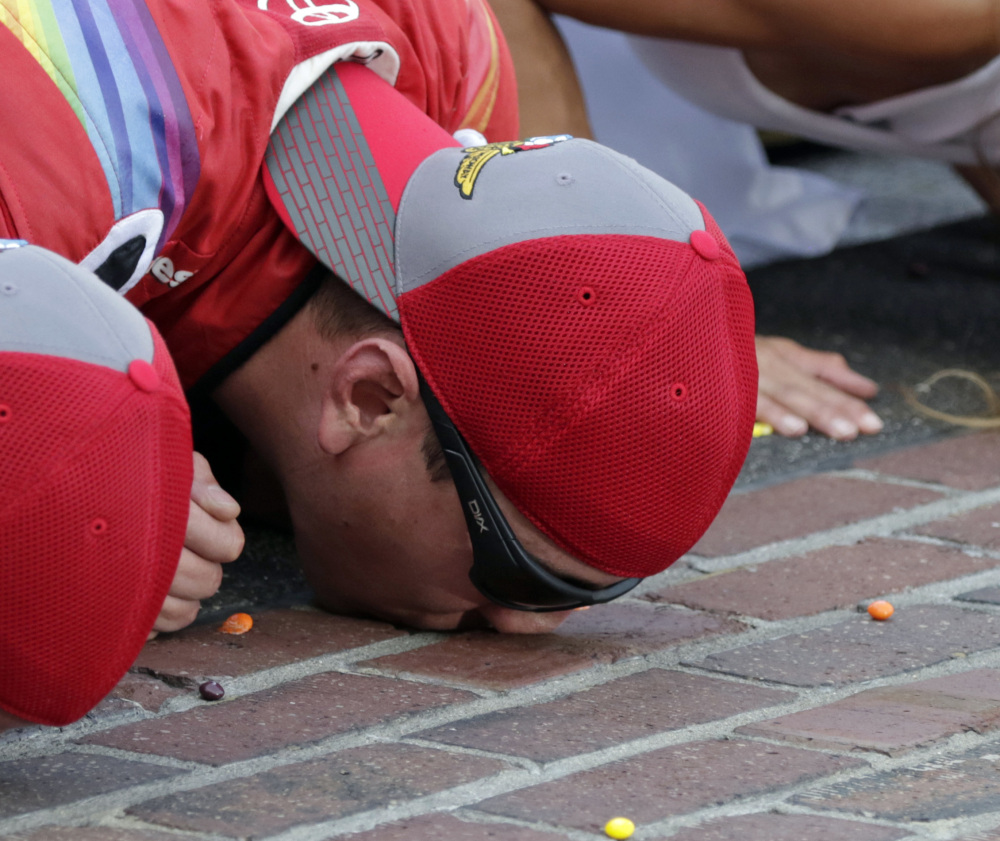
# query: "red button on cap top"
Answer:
x=143 y=375
x=704 y=243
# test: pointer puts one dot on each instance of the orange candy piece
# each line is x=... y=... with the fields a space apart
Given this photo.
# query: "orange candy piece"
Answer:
x=880 y=610
x=238 y=623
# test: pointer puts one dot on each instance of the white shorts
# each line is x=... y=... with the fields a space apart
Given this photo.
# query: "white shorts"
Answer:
x=958 y=122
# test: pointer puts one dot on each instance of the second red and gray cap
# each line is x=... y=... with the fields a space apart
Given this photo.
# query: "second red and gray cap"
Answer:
x=95 y=482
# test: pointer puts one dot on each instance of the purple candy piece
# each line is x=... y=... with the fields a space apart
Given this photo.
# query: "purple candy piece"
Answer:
x=211 y=690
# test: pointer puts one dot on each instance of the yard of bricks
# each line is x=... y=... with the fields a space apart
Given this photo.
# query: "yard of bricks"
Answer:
x=743 y=694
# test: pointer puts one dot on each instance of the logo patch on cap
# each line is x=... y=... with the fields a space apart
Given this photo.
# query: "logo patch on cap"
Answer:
x=476 y=157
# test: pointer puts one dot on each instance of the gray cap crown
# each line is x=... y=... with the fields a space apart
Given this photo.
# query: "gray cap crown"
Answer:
x=51 y=306
x=528 y=190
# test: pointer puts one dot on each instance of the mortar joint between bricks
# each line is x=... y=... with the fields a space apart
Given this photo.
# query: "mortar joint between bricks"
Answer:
x=526 y=764
x=948 y=543
x=864 y=475
x=570 y=833
x=778 y=801
x=798 y=809
x=882 y=525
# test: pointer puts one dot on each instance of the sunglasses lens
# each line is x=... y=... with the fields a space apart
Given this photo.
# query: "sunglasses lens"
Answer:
x=520 y=591
x=515 y=580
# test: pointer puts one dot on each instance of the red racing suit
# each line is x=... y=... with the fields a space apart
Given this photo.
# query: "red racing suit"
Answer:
x=134 y=137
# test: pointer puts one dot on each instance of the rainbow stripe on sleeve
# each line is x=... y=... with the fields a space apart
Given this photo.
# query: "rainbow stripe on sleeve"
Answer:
x=110 y=63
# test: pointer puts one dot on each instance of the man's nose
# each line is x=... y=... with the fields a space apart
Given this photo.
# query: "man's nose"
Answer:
x=508 y=621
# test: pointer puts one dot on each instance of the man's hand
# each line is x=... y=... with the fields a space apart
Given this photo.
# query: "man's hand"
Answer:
x=802 y=388
x=213 y=538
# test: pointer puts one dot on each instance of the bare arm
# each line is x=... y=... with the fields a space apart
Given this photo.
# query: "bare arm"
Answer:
x=907 y=29
x=548 y=91
x=985 y=181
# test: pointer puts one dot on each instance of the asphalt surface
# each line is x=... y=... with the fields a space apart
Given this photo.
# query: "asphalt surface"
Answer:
x=899 y=310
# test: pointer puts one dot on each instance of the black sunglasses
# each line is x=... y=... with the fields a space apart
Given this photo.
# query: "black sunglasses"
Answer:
x=501 y=569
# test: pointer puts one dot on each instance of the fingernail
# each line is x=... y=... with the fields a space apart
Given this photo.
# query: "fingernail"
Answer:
x=843 y=429
x=219 y=496
x=870 y=423
x=791 y=425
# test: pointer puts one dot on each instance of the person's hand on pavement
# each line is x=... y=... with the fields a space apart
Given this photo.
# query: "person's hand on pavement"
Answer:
x=213 y=538
x=802 y=388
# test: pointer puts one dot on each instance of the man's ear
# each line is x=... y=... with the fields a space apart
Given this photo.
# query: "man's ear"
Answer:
x=372 y=388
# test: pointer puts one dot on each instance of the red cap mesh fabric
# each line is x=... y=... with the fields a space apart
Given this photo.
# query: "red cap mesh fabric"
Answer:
x=94 y=499
x=608 y=384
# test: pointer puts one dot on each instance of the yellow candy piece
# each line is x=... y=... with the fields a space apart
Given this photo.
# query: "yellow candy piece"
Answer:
x=761 y=429
x=619 y=828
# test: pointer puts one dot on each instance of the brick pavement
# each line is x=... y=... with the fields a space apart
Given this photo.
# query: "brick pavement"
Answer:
x=744 y=694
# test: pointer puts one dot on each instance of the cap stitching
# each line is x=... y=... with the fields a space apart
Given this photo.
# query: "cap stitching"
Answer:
x=40 y=485
x=485 y=247
x=617 y=363
x=521 y=461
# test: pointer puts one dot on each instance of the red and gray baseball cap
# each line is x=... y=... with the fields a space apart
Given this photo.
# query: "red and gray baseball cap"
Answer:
x=583 y=322
x=95 y=483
